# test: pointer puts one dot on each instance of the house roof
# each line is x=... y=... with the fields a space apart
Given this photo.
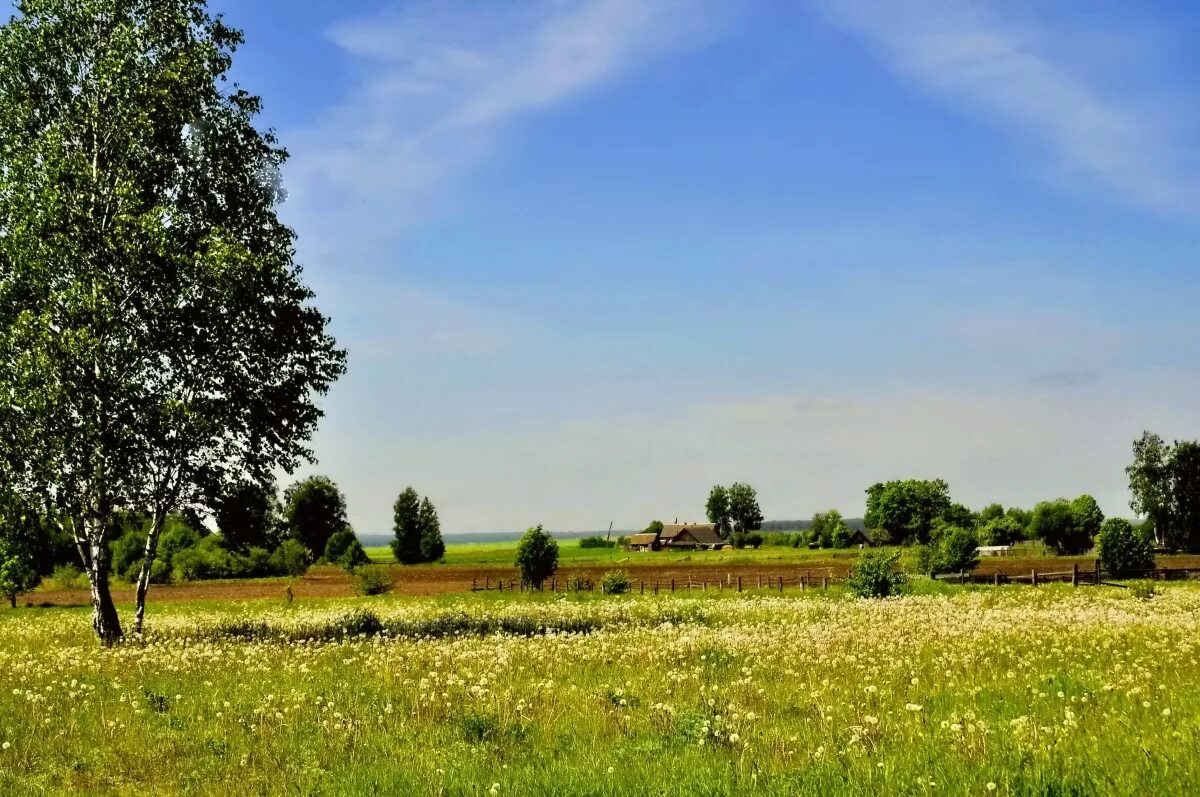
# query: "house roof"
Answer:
x=703 y=533
x=643 y=539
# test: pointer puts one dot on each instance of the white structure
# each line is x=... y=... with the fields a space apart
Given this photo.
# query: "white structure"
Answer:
x=994 y=550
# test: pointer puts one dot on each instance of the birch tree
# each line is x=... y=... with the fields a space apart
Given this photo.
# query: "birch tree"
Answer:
x=157 y=342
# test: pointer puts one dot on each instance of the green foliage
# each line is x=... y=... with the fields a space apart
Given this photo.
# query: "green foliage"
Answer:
x=315 y=510
x=744 y=512
x=875 y=576
x=1150 y=483
x=248 y=515
x=1067 y=527
x=1002 y=530
x=743 y=539
x=432 y=547
x=345 y=551
x=954 y=550
x=371 y=580
x=18 y=572
x=655 y=527
x=906 y=510
x=1122 y=552
x=155 y=335
x=418 y=535
x=615 y=582
x=988 y=514
x=291 y=558
x=829 y=530
x=596 y=542
x=537 y=556
x=717 y=510
x=959 y=515
x=210 y=558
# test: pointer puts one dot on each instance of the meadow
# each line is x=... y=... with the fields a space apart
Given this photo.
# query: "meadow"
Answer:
x=1010 y=690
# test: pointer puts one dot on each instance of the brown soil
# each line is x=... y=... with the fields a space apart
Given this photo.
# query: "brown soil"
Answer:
x=329 y=582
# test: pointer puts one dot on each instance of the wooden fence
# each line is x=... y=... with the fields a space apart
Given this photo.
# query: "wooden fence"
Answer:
x=802 y=582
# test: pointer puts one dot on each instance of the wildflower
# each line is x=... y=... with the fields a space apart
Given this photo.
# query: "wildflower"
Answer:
x=991 y=786
x=914 y=707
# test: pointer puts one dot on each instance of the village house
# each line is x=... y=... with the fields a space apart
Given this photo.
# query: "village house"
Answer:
x=679 y=536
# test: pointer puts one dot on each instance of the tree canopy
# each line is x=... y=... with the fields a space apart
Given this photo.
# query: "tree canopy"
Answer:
x=314 y=510
x=156 y=339
x=418 y=533
x=907 y=509
x=537 y=556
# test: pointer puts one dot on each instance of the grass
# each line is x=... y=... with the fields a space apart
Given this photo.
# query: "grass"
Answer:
x=1053 y=691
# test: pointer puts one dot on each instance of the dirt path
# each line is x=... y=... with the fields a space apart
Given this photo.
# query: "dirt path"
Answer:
x=329 y=582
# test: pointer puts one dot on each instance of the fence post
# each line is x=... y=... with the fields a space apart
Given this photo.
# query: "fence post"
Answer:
x=962 y=576
x=1097 y=571
x=487 y=582
x=643 y=588
x=472 y=585
x=801 y=580
x=1033 y=578
x=672 y=586
x=996 y=578
x=760 y=580
x=824 y=582
x=1075 y=574
x=500 y=585
x=739 y=583
x=781 y=583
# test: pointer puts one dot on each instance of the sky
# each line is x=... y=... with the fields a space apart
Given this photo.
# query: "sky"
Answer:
x=590 y=257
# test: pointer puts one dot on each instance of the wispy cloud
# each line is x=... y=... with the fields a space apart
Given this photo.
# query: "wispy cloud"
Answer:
x=977 y=53
x=438 y=81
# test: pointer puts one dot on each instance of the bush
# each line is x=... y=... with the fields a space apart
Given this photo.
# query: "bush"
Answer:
x=68 y=577
x=596 y=542
x=615 y=582
x=744 y=539
x=876 y=576
x=345 y=551
x=1003 y=530
x=1121 y=551
x=371 y=580
x=291 y=558
x=957 y=550
x=537 y=556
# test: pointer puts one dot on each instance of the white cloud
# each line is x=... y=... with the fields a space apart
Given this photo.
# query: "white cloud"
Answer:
x=437 y=82
x=976 y=53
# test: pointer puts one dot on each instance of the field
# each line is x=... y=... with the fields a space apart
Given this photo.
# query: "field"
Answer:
x=1009 y=690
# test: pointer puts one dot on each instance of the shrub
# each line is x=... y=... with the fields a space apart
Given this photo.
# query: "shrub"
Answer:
x=371 y=580
x=1121 y=551
x=291 y=558
x=577 y=584
x=596 y=542
x=957 y=550
x=537 y=556
x=876 y=576
x=615 y=582
x=344 y=550
x=68 y=577
x=1004 y=530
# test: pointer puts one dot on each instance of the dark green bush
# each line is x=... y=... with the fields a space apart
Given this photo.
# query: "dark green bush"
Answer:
x=615 y=582
x=291 y=558
x=1121 y=551
x=371 y=579
x=345 y=551
x=596 y=542
x=876 y=576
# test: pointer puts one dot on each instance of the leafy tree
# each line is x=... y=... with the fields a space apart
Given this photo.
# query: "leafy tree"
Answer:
x=1150 y=482
x=291 y=558
x=248 y=516
x=988 y=514
x=1003 y=530
x=345 y=551
x=956 y=550
x=314 y=510
x=744 y=512
x=829 y=530
x=418 y=533
x=18 y=565
x=718 y=510
x=1021 y=517
x=1122 y=552
x=432 y=546
x=655 y=527
x=156 y=339
x=537 y=556
x=875 y=576
x=959 y=515
x=906 y=510
x=1067 y=526
x=406 y=513
x=1184 y=529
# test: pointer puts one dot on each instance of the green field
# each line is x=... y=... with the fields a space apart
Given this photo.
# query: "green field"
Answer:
x=1053 y=691
x=569 y=552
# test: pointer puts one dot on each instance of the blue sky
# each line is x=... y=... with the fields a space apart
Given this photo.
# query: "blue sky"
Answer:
x=592 y=256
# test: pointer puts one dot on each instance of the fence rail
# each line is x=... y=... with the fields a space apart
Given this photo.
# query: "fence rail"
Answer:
x=807 y=580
